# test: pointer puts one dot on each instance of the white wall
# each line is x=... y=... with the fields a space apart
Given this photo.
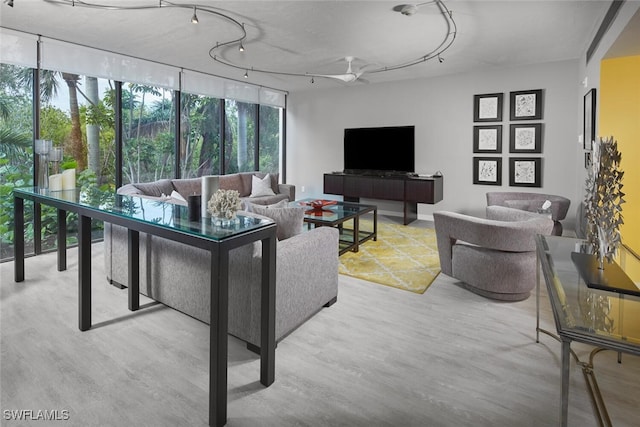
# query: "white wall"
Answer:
x=442 y=111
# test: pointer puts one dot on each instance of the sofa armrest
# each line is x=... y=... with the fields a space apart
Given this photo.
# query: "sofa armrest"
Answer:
x=310 y=257
x=129 y=190
x=289 y=190
x=307 y=276
x=316 y=246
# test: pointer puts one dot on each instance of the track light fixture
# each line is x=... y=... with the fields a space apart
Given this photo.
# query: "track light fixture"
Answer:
x=194 y=18
x=217 y=51
x=241 y=47
x=409 y=9
x=9 y=3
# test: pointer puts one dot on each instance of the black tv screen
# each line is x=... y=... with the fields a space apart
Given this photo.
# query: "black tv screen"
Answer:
x=380 y=149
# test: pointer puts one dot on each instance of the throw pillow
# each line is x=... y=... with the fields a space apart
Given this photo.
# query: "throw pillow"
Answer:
x=261 y=187
x=188 y=186
x=177 y=198
x=289 y=220
x=247 y=206
x=524 y=205
x=155 y=188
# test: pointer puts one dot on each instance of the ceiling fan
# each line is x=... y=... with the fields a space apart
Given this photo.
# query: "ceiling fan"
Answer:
x=349 y=76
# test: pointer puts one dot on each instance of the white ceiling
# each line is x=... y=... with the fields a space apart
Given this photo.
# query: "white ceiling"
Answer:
x=315 y=36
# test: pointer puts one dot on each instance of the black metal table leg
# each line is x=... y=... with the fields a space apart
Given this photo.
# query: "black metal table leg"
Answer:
x=268 y=313
x=62 y=240
x=375 y=225
x=18 y=239
x=37 y=228
x=356 y=233
x=84 y=272
x=134 y=269
x=218 y=328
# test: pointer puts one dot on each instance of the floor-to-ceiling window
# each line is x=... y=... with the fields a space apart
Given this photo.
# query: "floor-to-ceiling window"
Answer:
x=239 y=137
x=111 y=132
x=16 y=150
x=200 y=135
x=77 y=116
x=270 y=137
x=148 y=133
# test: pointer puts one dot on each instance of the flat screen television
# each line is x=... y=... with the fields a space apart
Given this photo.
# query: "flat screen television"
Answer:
x=379 y=150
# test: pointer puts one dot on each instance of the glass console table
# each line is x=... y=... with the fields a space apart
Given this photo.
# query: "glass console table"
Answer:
x=605 y=319
x=169 y=221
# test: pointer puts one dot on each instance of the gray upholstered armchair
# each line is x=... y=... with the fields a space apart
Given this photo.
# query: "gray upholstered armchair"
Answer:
x=532 y=202
x=494 y=256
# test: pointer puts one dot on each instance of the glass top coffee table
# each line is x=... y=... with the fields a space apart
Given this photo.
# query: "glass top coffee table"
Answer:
x=333 y=213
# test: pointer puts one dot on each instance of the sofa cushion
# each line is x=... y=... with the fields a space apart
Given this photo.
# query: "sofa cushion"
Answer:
x=249 y=204
x=155 y=188
x=525 y=205
x=289 y=220
x=261 y=186
x=234 y=182
x=188 y=186
x=266 y=200
x=274 y=181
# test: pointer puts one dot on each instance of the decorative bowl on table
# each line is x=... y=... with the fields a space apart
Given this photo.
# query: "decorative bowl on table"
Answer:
x=318 y=206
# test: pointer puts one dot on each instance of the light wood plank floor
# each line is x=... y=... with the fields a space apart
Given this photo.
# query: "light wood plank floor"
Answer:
x=378 y=357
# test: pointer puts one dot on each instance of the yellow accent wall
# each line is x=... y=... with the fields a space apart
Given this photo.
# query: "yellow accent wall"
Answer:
x=618 y=114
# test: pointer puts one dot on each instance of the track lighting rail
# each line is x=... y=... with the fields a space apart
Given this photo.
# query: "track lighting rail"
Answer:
x=408 y=10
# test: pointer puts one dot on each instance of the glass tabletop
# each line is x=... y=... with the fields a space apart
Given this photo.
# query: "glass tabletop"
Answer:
x=157 y=212
x=583 y=312
x=322 y=210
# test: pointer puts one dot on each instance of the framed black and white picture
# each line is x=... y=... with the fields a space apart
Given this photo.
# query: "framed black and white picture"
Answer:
x=487 y=107
x=487 y=139
x=487 y=170
x=525 y=138
x=526 y=105
x=589 y=119
x=525 y=171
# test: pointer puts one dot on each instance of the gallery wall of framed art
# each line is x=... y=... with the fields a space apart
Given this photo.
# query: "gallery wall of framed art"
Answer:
x=526 y=137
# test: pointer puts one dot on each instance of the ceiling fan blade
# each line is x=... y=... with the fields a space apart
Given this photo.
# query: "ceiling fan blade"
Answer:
x=348 y=78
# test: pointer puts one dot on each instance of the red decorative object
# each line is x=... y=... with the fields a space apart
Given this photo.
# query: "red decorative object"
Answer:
x=318 y=206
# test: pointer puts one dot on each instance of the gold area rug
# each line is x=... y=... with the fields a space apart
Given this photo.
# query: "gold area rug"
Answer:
x=403 y=257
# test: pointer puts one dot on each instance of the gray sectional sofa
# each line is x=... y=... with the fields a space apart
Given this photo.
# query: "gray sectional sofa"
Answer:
x=178 y=276
x=189 y=186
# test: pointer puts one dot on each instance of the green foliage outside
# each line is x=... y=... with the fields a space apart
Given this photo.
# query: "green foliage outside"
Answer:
x=16 y=153
x=148 y=129
x=269 y=139
x=148 y=126
x=16 y=159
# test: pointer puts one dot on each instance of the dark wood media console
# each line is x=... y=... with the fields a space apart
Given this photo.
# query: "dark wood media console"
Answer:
x=410 y=190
